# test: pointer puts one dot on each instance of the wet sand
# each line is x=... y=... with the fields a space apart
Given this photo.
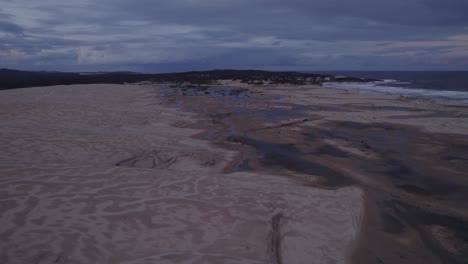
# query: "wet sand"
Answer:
x=408 y=155
x=230 y=174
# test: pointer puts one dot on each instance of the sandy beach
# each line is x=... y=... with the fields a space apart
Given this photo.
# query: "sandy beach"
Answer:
x=230 y=173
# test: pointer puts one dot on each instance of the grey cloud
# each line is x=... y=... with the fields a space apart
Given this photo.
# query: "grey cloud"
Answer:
x=4 y=15
x=321 y=20
x=8 y=27
x=196 y=34
x=403 y=12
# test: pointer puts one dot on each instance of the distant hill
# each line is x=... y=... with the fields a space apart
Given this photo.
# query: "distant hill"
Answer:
x=10 y=79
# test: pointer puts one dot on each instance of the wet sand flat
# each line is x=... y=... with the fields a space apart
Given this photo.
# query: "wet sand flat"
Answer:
x=122 y=174
x=407 y=154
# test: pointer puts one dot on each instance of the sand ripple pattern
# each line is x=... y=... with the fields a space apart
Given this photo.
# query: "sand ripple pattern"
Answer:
x=97 y=174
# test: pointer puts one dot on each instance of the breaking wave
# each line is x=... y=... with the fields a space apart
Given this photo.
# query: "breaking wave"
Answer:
x=390 y=87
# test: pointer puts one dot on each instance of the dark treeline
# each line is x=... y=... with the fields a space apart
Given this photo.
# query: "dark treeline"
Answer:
x=10 y=79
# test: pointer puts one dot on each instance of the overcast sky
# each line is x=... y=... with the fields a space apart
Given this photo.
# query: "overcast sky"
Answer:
x=179 y=35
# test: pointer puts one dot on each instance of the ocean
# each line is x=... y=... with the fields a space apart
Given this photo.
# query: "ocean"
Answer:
x=452 y=85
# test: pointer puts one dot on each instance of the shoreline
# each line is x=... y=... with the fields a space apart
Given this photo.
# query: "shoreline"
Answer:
x=296 y=140
x=383 y=88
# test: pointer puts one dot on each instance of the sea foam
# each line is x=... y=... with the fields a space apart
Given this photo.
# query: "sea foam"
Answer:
x=385 y=87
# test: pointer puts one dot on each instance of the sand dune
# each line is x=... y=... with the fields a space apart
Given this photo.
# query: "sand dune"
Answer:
x=107 y=174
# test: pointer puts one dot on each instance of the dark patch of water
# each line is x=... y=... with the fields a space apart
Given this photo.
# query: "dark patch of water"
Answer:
x=435 y=115
x=415 y=189
x=394 y=145
x=391 y=224
x=387 y=108
x=288 y=157
x=330 y=150
x=454 y=157
x=422 y=220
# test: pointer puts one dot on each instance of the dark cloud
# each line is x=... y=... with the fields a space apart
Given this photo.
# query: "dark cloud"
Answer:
x=399 y=12
x=8 y=27
x=152 y=35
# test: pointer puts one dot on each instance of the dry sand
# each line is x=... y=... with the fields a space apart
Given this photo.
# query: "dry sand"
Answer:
x=107 y=174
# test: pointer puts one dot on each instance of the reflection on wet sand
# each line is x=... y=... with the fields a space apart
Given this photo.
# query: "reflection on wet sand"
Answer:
x=415 y=179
